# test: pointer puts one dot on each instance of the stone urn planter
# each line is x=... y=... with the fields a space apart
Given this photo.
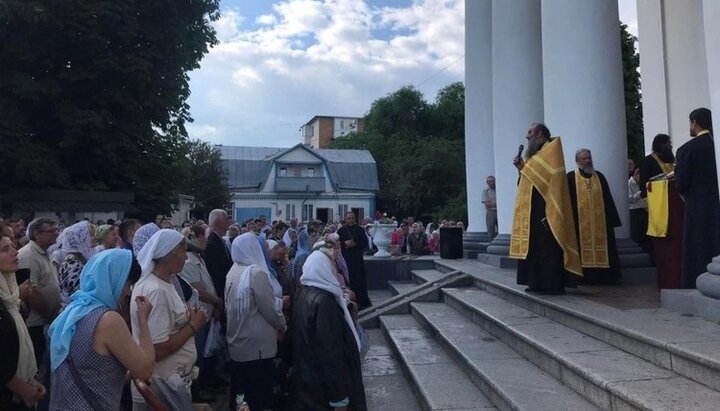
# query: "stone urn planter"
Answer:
x=381 y=234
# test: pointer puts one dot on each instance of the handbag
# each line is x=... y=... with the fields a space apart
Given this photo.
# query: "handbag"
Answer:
x=173 y=391
x=214 y=340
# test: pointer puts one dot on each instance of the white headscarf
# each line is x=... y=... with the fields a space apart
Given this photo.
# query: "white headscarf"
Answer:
x=159 y=245
x=246 y=251
x=318 y=272
x=73 y=239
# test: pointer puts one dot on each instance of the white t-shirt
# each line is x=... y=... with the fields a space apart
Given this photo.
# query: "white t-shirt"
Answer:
x=168 y=315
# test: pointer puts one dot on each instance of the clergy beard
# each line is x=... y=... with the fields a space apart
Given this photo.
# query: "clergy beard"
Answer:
x=588 y=169
x=533 y=147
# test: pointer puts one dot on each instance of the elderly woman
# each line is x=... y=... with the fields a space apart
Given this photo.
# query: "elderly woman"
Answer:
x=326 y=357
x=106 y=237
x=17 y=362
x=77 y=244
x=172 y=324
x=91 y=347
x=253 y=299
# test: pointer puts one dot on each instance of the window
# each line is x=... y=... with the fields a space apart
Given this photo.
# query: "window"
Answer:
x=297 y=172
x=311 y=172
x=342 y=209
x=293 y=211
x=342 y=124
x=307 y=212
x=287 y=211
x=282 y=172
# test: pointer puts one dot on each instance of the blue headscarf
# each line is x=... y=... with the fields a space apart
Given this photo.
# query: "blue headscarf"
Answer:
x=304 y=248
x=101 y=283
x=264 y=248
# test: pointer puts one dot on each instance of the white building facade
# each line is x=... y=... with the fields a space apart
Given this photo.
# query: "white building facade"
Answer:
x=300 y=182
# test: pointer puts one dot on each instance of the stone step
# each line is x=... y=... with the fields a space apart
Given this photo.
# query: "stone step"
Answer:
x=685 y=345
x=401 y=287
x=504 y=376
x=607 y=376
x=439 y=383
x=427 y=276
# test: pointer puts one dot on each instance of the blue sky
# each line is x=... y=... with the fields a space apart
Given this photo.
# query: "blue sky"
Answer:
x=279 y=63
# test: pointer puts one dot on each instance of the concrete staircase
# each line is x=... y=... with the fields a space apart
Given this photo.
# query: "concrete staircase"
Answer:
x=490 y=345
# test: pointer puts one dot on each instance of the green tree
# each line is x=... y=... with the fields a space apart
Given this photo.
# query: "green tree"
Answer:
x=207 y=179
x=94 y=94
x=419 y=151
x=633 y=97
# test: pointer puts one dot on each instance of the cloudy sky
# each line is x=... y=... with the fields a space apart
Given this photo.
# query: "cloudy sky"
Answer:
x=279 y=63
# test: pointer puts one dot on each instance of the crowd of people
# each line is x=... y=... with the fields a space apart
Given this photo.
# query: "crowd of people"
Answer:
x=125 y=315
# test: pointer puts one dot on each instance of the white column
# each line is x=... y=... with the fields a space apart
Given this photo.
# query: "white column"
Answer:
x=517 y=97
x=478 y=108
x=583 y=88
x=651 y=46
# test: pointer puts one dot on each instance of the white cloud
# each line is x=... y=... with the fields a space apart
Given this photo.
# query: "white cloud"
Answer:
x=302 y=58
x=319 y=57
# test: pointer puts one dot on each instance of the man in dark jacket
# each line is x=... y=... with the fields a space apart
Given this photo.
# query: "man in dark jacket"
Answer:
x=217 y=256
x=353 y=241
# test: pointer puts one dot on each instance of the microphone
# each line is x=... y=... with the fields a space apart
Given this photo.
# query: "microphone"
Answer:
x=520 y=150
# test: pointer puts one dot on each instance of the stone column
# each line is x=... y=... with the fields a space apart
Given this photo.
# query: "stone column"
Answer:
x=517 y=99
x=583 y=84
x=709 y=283
x=478 y=117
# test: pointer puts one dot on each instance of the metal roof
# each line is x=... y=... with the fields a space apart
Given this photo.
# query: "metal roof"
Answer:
x=249 y=167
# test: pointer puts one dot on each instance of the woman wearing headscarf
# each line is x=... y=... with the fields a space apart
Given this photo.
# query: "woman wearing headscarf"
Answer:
x=18 y=388
x=91 y=347
x=142 y=236
x=172 y=324
x=254 y=323
x=306 y=239
x=326 y=357
x=77 y=243
x=106 y=237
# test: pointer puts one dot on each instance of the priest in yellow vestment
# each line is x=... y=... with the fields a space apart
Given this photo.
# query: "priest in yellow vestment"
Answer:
x=595 y=217
x=543 y=232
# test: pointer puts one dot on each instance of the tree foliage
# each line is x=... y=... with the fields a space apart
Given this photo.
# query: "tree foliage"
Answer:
x=633 y=97
x=94 y=94
x=419 y=150
x=207 y=179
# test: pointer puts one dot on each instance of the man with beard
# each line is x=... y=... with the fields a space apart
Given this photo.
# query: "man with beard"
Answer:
x=660 y=161
x=352 y=242
x=696 y=179
x=543 y=234
x=595 y=218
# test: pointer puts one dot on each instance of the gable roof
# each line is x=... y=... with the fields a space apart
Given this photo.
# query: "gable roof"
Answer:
x=249 y=167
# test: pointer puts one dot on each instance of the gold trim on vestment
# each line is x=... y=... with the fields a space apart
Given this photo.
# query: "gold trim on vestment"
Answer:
x=545 y=171
x=666 y=168
x=591 y=221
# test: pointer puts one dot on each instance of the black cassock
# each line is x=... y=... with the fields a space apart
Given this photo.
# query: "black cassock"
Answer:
x=543 y=269
x=696 y=180
x=354 y=259
x=609 y=275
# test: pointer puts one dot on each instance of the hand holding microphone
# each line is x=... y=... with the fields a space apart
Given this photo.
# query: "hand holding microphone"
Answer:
x=518 y=161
